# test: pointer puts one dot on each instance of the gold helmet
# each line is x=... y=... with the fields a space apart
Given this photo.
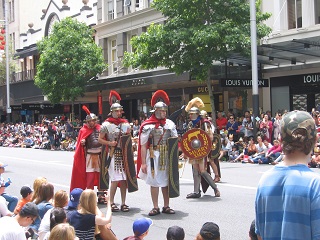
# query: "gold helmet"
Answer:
x=193 y=107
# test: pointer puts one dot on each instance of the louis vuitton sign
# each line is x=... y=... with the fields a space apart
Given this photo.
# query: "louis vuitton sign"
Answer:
x=242 y=83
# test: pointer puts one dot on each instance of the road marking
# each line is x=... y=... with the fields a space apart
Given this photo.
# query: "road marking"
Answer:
x=225 y=184
x=38 y=161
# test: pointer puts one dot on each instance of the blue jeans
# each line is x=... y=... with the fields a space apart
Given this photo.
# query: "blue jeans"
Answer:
x=12 y=201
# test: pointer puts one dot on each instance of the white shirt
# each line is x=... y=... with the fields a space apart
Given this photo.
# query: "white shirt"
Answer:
x=4 y=211
x=10 y=229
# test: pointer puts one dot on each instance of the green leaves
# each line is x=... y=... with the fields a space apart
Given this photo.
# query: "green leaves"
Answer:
x=69 y=57
x=196 y=33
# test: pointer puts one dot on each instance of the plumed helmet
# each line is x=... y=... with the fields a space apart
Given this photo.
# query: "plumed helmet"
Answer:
x=193 y=107
x=159 y=101
x=114 y=101
x=90 y=116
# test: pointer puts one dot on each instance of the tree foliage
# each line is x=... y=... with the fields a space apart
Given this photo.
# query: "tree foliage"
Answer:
x=69 y=57
x=196 y=33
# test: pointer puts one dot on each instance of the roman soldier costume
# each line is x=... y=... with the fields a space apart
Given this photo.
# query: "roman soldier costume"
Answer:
x=86 y=164
x=117 y=152
x=200 y=136
x=158 y=139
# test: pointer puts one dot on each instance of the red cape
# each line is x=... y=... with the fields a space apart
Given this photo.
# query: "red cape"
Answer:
x=151 y=120
x=79 y=176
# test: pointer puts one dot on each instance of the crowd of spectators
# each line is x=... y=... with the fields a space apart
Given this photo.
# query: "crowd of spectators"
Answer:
x=48 y=134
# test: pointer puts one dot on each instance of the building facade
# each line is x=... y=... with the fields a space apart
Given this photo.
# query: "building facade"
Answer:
x=288 y=60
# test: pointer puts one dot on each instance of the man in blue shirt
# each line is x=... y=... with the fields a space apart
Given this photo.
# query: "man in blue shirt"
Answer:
x=288 y=196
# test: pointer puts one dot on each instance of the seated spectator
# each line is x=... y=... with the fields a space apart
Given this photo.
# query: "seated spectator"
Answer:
x=261 y=151
x=12 y=200
x=63 y=231
x=36 y=187
x=275 y=151
x=11 y=227
x=56 y=216
x=45 y=143
x=74 y=201
x=209 y=231
x=26 y=193
x=233 y=154
x=27 y=142
x=88 y=216
x=140 y=228
x=175 y=233
x=224 y=150
x=64 y=144
x=4 y=211
x=60 y=200
x=43 y=203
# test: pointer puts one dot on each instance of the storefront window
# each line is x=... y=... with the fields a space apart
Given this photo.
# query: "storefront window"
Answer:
x=317 y=11
x=299 y=102
x=238 y=102
x=294 y=14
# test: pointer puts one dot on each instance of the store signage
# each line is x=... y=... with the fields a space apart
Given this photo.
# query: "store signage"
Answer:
x=36 y=106
x=242 y=83
x=138 y=82
x=204 y=89
x=311 y=78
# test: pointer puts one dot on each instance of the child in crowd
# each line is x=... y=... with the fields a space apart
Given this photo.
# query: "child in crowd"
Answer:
x=233 y=154
x=26 y=193
x=175 y=233
x=208 y=231
x=12 y=200
x=140 y=228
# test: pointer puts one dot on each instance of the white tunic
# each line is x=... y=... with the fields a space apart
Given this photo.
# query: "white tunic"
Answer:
x=160 y=178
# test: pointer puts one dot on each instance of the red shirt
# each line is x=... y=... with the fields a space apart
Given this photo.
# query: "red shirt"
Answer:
x=221 y=123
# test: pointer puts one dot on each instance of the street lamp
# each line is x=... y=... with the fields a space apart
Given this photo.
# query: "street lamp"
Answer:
x=6 y=21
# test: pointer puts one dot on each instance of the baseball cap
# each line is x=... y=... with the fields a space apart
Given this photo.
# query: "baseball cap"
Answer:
x=141 y=225
x=25 y=190
x=2 y=165
x=75 y=197
x=29 y=209
x=210 y=231
x=175 y=233
x=294 y=120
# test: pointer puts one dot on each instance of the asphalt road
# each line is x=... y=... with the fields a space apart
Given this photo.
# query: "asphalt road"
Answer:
x=233 y=211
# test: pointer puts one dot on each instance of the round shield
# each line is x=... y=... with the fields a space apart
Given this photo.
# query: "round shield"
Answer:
x=216 y=146
x=196 y=144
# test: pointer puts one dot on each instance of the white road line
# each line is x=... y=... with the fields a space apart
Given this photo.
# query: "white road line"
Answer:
x=224 y=184
x=37 y=161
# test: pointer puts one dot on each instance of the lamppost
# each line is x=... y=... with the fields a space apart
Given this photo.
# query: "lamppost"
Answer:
x=6 y=15
x=254 y=61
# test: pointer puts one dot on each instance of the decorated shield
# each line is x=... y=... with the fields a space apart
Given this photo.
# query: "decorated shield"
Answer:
x=196 y=144
x=216 y=146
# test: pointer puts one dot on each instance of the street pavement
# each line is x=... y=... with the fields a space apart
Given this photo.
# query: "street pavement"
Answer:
x=233 y=211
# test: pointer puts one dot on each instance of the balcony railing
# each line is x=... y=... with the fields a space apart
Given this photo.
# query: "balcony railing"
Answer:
x=19 y=76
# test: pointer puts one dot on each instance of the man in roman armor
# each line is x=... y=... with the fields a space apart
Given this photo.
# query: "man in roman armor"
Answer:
x=87 y=157
x=199 y=166
x=153 y=151
x=111 y=132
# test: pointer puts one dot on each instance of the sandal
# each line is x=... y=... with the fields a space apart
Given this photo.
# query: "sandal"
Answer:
x=217 y=178
x=114 y=208
x=168 y=210
x=125 y=208
x=154 y=211
x=216 y=192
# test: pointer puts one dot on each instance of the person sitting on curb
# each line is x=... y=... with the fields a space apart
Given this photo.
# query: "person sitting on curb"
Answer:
x=140 y=229
x=209 y=231
x=12 y=227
